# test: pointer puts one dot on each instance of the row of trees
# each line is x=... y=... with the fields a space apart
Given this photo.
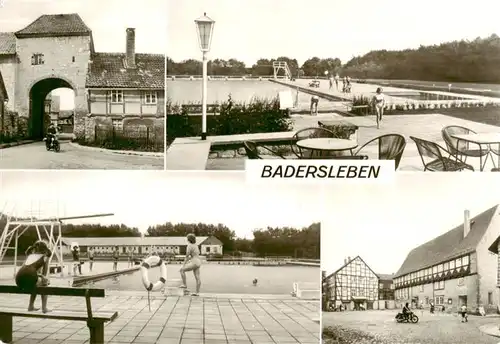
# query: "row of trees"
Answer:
x=302 y=243
x=263 y=67
x=457 y=61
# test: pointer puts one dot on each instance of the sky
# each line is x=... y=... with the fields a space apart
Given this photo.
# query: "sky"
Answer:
x=382 y=223
x=251 y=29
x=108 y=20
x=141 y=199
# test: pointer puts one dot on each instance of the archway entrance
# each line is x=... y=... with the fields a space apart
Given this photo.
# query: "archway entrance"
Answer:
x=40 y=116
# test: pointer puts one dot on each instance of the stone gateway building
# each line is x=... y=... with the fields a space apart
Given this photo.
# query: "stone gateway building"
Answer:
x=455 y=268
x=57 y=51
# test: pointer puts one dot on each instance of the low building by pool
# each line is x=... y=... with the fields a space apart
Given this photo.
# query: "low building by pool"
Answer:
x=147 y=245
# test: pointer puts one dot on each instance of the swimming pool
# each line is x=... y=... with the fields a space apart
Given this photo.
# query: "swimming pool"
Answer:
x=416 y=95
x=189 y=91
x=225 y=279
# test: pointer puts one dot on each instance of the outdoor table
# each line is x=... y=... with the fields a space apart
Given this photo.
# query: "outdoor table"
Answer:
x=480 y=139
x=326 y=144
x=341 y=129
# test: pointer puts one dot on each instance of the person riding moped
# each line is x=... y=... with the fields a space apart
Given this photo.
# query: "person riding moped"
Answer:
x=406 y=310
x=51 y=134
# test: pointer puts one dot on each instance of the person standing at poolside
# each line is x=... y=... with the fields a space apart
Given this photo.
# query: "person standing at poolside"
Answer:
x=331 y=81
x=192 y=262
x=378 y=104
x=91 y=258
x=131 y=257
x=77 y=265
x=116 y=255
x=314 y=105
x=337 y=78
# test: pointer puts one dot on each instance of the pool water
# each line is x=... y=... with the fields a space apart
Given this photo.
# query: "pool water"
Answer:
x=229 y=279
x=428 y=96
x=189 y=91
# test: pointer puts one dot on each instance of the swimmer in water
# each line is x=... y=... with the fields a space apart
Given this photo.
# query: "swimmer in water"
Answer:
x=32 y=273
x=192 y=262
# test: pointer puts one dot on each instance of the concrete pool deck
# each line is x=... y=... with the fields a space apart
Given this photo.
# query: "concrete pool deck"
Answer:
x=426 y=126
x=209 y=318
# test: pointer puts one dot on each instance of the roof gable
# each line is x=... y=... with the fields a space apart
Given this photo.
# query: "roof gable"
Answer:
x=450 y=245
x=348 y=263
x=55 y=25
x=211 y=240
x=7 y=43
x=107 y=70
x=3 y=90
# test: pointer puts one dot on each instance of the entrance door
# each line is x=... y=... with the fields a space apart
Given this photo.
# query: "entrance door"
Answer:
x=462 y=300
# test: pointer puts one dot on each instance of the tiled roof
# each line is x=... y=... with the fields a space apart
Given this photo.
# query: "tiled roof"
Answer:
x=450 y=245
x=7 y=43
x=49 y=25
x=107 y=70
x=385 y=277
x=3 y=91
x=132 y=241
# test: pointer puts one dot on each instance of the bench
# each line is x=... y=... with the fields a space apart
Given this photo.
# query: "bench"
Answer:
x=197 y=108
x=95 y=320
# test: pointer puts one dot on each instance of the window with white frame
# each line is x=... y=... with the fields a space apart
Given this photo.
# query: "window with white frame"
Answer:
x=439 y=285
x=117 y=96
x=37 y=59
x=465 y=260
x=439 y=300
x=150 y=98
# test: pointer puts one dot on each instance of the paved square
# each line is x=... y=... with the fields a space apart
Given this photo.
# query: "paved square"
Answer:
x=231 y=319
x=380 y=327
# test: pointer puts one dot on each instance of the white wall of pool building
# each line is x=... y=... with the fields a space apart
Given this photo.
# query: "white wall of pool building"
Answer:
x=209 y=245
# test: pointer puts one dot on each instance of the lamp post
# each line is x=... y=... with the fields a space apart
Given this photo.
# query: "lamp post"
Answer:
x=205 y=27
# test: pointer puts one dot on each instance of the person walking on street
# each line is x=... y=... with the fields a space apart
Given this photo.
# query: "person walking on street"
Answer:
x=463 y=312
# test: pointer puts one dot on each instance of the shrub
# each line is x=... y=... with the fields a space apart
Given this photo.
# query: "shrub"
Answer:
x=257 y=116
x=360 y=101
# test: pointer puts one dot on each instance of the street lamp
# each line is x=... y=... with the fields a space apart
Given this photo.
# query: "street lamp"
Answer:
x=205 y=27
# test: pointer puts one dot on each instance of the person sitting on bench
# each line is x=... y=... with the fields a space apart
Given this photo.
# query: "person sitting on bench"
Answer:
x=32 y=273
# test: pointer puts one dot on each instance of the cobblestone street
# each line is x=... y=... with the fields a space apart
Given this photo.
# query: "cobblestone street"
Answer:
x=35 y=156
x=380 y=327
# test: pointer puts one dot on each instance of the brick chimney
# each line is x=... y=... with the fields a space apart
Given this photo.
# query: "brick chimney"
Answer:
x=466 y=222
x=130 y=49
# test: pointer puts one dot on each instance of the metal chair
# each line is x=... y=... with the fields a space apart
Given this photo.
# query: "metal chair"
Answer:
x=252 y=151
x=437 y=161
x=308 y=133
x=460 y=149
x=390 y=147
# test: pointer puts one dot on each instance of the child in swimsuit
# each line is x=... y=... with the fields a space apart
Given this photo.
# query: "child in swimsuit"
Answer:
x=192 y=262
x=33 y=271
x=115 y=259
x=91 y=259
x=314 y=105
